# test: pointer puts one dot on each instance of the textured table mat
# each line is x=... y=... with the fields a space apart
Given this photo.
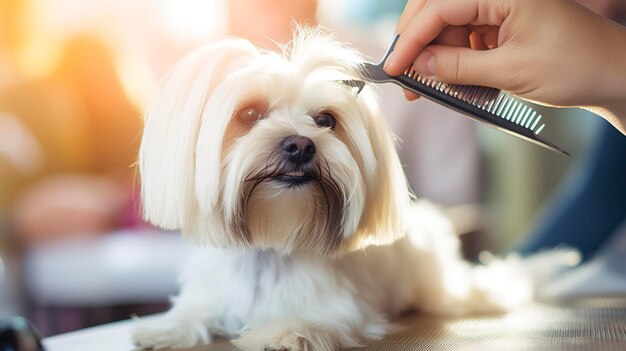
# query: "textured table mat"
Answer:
x=588 y=323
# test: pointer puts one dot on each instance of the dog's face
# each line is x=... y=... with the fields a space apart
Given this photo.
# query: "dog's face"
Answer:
x=244 y=148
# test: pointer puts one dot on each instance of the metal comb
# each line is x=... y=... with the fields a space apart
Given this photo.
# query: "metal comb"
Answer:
x=490 y=106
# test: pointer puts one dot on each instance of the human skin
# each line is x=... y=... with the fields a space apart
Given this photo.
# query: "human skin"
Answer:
x=554 y=52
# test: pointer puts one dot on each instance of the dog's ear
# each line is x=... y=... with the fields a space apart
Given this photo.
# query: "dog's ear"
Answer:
x=387 y=191
x=167 y=159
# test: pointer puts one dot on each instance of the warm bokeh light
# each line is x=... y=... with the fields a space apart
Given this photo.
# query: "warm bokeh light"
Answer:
x=192 y=19
x=18 y=145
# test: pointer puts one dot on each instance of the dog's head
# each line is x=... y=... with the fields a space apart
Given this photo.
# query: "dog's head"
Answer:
x=246 y=148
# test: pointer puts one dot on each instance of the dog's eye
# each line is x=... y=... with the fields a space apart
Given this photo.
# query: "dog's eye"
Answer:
x=325 y=120
x=250 y=114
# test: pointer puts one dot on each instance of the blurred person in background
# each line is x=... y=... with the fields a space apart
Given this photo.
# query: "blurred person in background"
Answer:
x=87 y=135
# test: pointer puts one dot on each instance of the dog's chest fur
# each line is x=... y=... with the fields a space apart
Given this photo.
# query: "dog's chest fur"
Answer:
x=255 y=286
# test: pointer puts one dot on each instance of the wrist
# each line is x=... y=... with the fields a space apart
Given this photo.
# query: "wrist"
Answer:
x=611 y=100
x=614 y=115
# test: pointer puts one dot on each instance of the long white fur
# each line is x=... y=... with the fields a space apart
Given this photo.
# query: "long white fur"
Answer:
x=271 y=275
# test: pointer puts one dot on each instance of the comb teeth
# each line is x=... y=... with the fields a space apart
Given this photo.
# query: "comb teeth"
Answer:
x=491 y=100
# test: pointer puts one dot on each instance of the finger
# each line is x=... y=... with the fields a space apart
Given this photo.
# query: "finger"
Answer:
x=491 y=39
x=411 y=96
x=432 y=18
x=454 y=36
x=458 y=65
x=482 y=29
x=424 y=27
x=411 y=8
x=412 y=42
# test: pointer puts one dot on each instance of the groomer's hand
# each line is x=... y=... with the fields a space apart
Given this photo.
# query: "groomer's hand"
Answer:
x=554 y=52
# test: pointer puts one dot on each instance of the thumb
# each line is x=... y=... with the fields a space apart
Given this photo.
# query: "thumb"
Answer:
x=461 y=65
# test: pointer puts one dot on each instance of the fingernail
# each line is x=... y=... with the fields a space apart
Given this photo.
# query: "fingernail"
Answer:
x=388 y=60
x=425 y=63
x=410 y=96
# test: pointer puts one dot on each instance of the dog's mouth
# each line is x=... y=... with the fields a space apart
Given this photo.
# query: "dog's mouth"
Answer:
x=294 y=178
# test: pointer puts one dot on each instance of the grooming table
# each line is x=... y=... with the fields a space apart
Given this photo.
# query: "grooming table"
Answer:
x=577 y=323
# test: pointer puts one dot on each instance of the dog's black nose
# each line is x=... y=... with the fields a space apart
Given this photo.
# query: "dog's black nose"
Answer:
x=298 y=149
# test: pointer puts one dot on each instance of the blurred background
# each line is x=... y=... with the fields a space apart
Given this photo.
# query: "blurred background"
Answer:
x=76 y=75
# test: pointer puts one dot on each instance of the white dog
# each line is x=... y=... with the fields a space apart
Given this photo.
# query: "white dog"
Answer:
x=290 y=178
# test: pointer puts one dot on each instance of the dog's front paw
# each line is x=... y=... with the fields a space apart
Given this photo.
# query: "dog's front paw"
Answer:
x=289 y=341
x=169 y=332
x=282 y=338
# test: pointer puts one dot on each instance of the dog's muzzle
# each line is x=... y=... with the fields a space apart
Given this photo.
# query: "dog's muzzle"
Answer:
x=298 y=151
